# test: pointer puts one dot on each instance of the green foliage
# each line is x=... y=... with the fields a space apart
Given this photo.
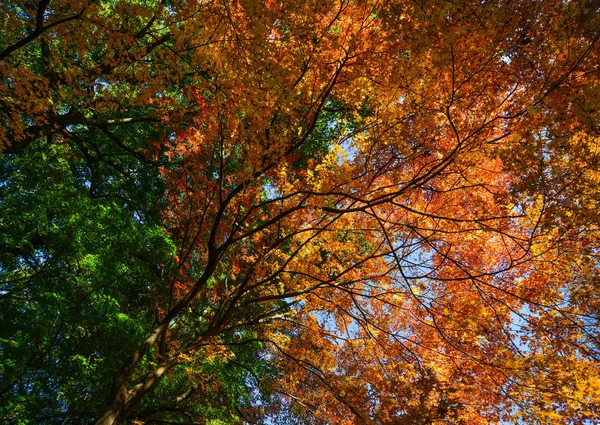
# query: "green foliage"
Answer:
x=333 y=123
x=214 y=388
x=84 y=266
x=79 y=269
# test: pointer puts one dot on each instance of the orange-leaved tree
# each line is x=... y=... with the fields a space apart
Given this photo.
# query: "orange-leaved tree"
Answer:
x=396 y=200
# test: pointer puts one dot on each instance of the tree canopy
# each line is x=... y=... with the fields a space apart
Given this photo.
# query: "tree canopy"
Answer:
x=310 y=212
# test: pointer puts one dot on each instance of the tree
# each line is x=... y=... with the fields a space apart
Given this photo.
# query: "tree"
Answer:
x=360 y=212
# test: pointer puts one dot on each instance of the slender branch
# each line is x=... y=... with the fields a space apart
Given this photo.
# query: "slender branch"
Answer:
x=39 y=29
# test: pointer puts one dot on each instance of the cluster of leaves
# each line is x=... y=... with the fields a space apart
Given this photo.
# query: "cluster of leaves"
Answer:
x=78 y=267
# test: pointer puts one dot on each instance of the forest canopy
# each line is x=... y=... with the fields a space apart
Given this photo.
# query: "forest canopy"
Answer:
x=350 y=212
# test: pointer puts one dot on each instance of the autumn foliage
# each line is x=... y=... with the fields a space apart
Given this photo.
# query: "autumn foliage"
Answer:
x=379 y=212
